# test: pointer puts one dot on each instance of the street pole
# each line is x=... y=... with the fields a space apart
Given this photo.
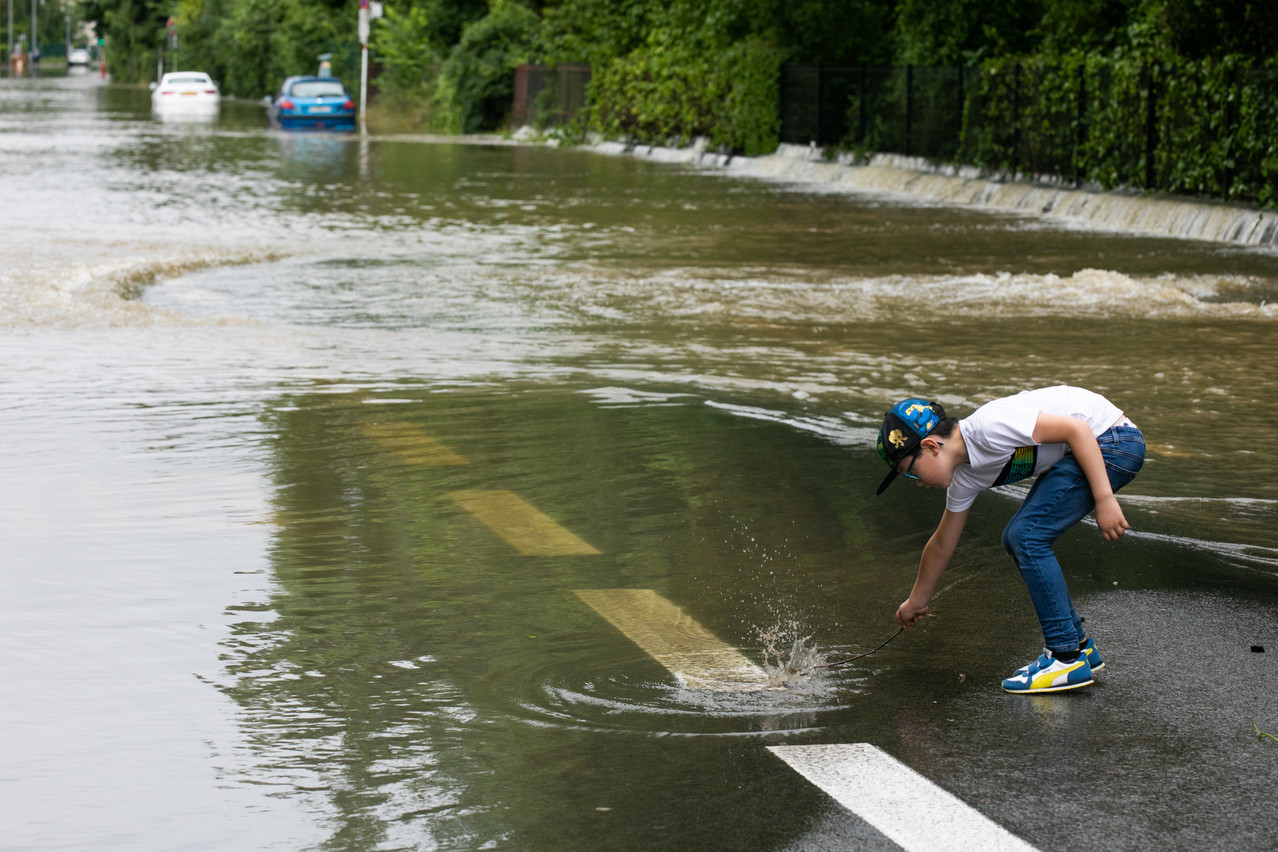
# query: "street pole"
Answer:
x=363 y=64
x=35 y=48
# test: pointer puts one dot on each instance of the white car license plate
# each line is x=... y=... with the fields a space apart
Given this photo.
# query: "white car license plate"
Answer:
x=319 y=110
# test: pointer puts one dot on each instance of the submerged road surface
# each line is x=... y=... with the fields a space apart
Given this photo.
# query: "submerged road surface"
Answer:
x=406 y=493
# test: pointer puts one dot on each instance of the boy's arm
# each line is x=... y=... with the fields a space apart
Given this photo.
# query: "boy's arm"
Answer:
x=1053 y=428
x=936 y=558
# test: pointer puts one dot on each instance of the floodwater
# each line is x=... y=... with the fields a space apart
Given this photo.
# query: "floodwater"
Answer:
x=312 y=441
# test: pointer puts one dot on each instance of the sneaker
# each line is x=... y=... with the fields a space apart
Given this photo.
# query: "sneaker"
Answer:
x=1089 y=648
x=1048 y=674
x=1093 y=656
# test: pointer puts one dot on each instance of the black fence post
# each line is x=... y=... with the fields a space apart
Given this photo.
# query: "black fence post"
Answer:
x=820 y=125
x=909 y=110
x=860 y=118
x=1080 y=133
x=1228 y=134
x=1016 y=118
x=1151 y=127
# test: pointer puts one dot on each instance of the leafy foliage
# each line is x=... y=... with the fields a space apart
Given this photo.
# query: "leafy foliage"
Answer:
x=1193 y=126
x=403 y=43
x=960 y=32
x=137 y=29
x=1177 y=94
x=250 y=46
x=476 y=83
x=700 y=72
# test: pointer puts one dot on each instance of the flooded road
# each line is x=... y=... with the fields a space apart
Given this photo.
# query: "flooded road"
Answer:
x=332 y=466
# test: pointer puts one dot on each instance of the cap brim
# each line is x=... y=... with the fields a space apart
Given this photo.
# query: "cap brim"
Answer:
x=887 y=480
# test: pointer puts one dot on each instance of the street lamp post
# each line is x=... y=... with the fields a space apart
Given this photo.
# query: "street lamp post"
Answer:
x=363 y=64
x=368 y=9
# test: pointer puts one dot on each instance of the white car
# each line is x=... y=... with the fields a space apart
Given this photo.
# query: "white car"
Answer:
x=185 y=92
x=78 y=56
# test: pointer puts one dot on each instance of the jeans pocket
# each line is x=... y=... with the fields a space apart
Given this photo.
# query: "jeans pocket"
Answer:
x=1124 y=460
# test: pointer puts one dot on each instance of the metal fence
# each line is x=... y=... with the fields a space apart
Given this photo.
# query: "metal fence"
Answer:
x=548 y=97
x=1202 y=128
x=1207 y=129
x=910 y=110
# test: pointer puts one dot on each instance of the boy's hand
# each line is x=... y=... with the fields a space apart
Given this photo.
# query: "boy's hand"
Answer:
x=908 y=614
x=1110 y=519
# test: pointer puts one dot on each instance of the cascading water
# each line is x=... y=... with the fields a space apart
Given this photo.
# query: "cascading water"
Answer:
x=911 y=177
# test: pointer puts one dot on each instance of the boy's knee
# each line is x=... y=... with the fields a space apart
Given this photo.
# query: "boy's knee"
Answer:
x=1026 y=540
x=1015 y=538
x=1009 y=541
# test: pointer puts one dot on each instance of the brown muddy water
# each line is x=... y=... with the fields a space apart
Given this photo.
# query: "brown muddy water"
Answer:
x=312 y=443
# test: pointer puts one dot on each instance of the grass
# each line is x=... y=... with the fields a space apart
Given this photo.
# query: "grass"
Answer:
x=1260 y=735
x=389 y=114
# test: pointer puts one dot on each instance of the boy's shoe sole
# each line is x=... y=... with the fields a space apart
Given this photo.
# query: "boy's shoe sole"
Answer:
x=1045 y=689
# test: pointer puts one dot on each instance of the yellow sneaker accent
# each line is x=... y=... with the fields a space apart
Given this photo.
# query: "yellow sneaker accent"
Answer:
x=1053 y=681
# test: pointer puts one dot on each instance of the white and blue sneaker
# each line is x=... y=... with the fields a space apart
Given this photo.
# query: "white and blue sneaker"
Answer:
x=1088 y=648
x=1093 y=656
x=1048 y=674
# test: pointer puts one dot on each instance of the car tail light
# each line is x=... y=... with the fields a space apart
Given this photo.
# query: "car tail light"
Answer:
x=286 y=104
x=349 y=105
x=167 y=92
x=210 y=91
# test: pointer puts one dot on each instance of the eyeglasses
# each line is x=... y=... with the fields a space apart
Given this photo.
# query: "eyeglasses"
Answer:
x=908 y=473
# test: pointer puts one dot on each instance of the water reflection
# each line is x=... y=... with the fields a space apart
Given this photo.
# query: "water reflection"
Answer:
x=414 y=675
x=404 y=634
x=320 y=157
x=178 y=115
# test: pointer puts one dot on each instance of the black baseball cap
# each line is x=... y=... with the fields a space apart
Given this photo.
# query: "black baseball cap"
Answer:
x=905 y=425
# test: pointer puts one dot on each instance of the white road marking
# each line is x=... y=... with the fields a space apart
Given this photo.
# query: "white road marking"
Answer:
x=903 y=805
x=695 y=656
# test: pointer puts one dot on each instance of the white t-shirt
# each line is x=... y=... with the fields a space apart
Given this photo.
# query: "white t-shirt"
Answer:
x=999 y=439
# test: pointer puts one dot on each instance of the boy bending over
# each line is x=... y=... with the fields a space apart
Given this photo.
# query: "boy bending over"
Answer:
x=1082 y=449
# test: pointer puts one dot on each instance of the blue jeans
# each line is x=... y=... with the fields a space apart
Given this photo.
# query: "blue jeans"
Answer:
x=1059 y=499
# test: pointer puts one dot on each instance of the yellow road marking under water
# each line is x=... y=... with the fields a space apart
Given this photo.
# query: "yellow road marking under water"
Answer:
x=411 y=444
x=520 y=524
x=694 y=655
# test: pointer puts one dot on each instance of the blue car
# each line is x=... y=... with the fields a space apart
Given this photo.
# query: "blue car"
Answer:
x=312 y=103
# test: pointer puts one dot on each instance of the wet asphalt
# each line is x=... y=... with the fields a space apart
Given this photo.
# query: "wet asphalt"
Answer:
x=1164 y=751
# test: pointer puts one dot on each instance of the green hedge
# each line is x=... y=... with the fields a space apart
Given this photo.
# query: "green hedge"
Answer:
x=665 y=93
x=1205 y=127
x=476 y=83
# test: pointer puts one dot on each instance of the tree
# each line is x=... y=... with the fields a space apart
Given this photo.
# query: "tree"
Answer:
x=1198 y=29
x=477 y=82
x=962 y=32
x=835 y=32
x=136 y=29
x=1085 y=25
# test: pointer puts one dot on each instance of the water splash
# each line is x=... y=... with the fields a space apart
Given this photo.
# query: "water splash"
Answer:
x=787 y=656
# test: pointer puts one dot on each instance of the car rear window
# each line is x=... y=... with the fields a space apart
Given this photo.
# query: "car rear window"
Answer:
x=318 y=89
x=188 y=80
